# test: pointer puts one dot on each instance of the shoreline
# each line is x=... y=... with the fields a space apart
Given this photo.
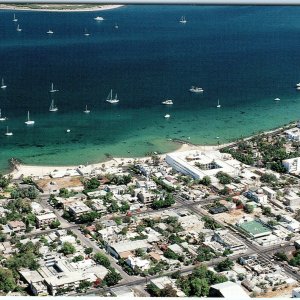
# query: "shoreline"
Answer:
x=93 y=8
x=20 y=169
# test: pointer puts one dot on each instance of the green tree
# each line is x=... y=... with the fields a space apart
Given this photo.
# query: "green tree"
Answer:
x=91 y=184
x=88 y=250
x=224 y=178
x=67 y=248
x=7 y=281
x=206 y=181
x=102 y=259
x=78 y=258
x=199 y=287
x=112 y=278
x=224 y=265
x=5 y=180
x=89 y=217
x=249 y=208
x=55 y=224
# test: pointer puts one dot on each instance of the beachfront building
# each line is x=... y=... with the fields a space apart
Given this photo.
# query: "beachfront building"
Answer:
x=292 y=165
x=293 y=134
x=199 y=164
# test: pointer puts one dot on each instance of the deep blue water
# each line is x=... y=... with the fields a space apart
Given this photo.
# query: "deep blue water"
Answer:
x=244 y=56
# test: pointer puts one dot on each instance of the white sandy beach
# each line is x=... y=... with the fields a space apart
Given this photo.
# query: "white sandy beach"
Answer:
x=39 y=171
x=49 y=9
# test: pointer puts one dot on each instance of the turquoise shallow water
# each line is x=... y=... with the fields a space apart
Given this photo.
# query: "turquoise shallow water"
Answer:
x=244 y=56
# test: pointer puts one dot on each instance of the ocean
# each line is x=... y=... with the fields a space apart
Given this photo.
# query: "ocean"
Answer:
x=245 y=56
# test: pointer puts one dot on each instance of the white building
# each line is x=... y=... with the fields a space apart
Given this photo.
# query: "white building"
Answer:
x=293 y=134
x=229 y=290
x=296 y=293
x=292 y=165
x=45 y=219
x=269 y=192
x=199 y=164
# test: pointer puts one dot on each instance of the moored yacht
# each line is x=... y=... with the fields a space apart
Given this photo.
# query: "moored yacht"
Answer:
x=86 y=32
x=168 y=102
x=277 y=99
x=98 y=18
x=53 y=107
x=29 y=122
x=50 y=31
x=18 y=28
x=15 y=19
x=219 y=105
x=183 y=20
x=8 y=133
x=3 y=86
x=52 y=90
x=195 y=89
x=86 y=111
x=110 y=98
x=2 y=118
x=116 y=26
x=167 y=116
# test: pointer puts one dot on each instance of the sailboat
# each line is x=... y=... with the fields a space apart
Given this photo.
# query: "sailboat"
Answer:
x=52 y=90
x=86 y=32
x=8 y=133
x=53 y=107
x=3 y=86
x=15 y=19
x=98 y=18
x=183 y=20
x=116 y=26
x=219 y=105
x=50 y=31
x=2 y=118
x=277 y=99
x=18 y=28
x=167 y=116
x=86 y=110
x=110 y=98
x=29 y=122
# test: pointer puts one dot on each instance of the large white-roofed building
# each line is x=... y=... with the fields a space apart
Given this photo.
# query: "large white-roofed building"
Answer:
x=199 y=164
x=229 y=290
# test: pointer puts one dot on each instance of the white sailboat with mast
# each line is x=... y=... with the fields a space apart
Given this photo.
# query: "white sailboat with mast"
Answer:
x=219 y=105
x=15 y=19
x=18 y=28
x=86 y=111
x=3 y=86
x=29 y=122
x=110 y=98
x=86 y=33
x=2 y=118
x=8 y=133
x=52 y=89
x=183 y=20
x=53 y=107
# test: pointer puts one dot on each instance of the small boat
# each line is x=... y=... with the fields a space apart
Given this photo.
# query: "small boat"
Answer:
x=3 y=86
x=86 y=111
x=298 y=88
x=167 y=102
x=277 y=99
x=183 y=20
x=53 y=108
x=167 y=116
x=110 y=98
x=219 y=105
x=50 y=31
x=52 y=90
x=15 y=19
x=86 y=32
x=98 y=18
x=2 y=118
x=29 y=122
x=68 y=130
x=195 y=89
x=298 y=84
x=8 y=133
x=116 y=26
x=18 y=28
